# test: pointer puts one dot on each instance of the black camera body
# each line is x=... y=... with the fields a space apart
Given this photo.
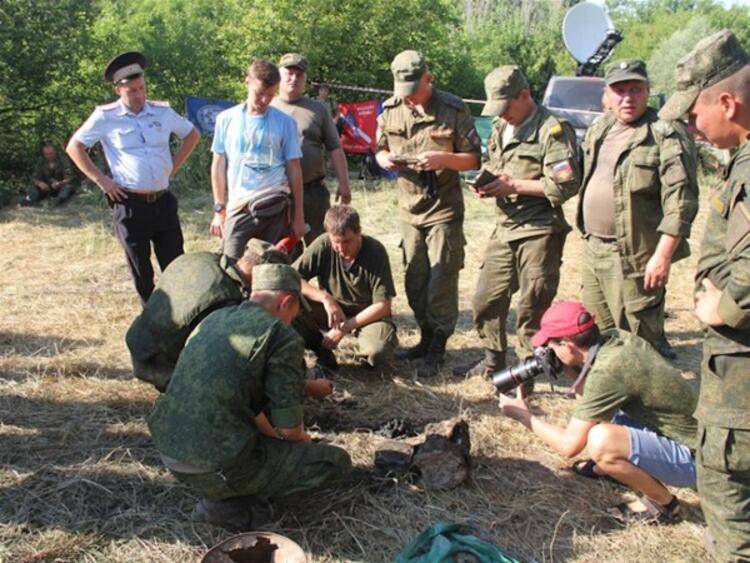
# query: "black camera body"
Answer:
x=543 y=361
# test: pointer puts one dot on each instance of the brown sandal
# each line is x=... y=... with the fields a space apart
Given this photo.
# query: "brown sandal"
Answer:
x=654 y=513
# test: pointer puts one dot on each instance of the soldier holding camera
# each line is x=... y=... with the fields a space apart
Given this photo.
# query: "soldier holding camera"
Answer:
x=634 y=414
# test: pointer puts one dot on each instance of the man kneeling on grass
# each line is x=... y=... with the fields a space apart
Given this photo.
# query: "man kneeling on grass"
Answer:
x=230 y=424
x=634 y=414
x=193 y=285
x=356 y=288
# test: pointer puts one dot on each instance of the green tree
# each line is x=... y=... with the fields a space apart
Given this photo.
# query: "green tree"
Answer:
x=663 y=60
x=532 y=40
x=41 y=44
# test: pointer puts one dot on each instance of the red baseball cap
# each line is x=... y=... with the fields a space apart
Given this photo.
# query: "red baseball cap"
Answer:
x=562 y=320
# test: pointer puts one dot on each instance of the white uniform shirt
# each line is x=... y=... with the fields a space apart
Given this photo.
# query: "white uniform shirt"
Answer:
x=136 y=145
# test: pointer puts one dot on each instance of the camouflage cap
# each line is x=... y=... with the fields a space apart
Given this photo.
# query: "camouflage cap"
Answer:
x=263 y=252
x=626 y=69
x=713 y=59
x=501 y=86
x=278 y=277
x=293 y=59
x=407 y=67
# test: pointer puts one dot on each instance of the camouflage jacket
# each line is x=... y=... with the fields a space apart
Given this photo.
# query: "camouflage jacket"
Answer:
x=725 y=260
x=193 y=285
x=60 y=170
x=446 y=125
x=655 y=187
x=543 y=149
x=238 y=362
x=629 y=375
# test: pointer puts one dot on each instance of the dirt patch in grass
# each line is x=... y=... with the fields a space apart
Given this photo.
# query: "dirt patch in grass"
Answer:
x=81 y=481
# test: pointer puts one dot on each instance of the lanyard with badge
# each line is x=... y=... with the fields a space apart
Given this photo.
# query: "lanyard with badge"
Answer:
x=256 y=156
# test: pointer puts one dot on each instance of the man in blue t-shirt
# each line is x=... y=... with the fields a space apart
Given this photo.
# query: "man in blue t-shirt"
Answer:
x=256 y=175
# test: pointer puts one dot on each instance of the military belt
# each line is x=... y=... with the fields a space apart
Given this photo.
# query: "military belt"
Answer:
x=148 y=197
x=601 y=239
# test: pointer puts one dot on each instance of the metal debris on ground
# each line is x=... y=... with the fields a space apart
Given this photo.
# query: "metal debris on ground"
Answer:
x=442 y=460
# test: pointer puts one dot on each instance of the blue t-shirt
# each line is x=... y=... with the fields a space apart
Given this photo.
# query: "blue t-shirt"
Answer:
x=256 y=147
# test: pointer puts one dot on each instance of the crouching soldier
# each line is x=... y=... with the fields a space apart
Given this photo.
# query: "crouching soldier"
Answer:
x=193 y=286
x=230 y=425
x=356 y=288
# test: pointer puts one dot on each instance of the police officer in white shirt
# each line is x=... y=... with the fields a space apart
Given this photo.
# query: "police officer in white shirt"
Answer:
x=134 y=133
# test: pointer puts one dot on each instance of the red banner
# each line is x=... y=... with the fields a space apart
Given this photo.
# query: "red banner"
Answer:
x=360 y=125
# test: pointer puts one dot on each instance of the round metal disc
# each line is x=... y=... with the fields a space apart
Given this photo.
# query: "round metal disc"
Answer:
x=261 y=547
x=584 y=28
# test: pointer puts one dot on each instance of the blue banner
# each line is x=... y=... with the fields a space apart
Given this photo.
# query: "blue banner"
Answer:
x=202 y=112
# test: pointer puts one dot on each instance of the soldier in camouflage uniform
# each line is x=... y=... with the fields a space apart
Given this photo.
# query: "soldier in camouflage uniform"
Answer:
x=191 y=287
x=52 y=178
x=428 y=136
x=356 y=289
x=713 y=88
x=638 y=199
x=634 y=415
x=534 y=157
x=231 y=422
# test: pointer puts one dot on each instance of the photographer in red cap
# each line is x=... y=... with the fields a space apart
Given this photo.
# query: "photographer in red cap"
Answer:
x=634 y=413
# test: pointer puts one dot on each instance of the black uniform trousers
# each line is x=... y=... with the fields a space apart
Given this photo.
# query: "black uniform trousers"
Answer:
x=138 y=223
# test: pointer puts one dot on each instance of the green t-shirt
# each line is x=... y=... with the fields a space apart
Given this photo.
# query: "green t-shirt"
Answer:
x=629 y=375
x=368 y=280
x=193 y=285
x=238 y=362
x=317 y=131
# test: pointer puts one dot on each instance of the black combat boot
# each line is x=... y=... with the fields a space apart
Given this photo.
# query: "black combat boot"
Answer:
x=237 y=514
x=326 y=359
x=433 y=359
x=419 y=350
x=665 y=349
x=493 y=361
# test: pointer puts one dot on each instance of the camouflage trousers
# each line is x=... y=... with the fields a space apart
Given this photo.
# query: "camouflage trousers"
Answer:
x=273 y=469
x=618 y=301
x=433 y=257
x=377 y=341
x=35 y=195
x=723 y=457
x=530 y=266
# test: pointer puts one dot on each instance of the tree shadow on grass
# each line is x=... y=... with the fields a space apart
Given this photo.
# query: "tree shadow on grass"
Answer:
x=81 y=370
x=41 y=433
x=34 y=345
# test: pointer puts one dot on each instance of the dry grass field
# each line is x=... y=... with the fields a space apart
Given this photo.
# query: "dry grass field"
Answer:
x=81 y=481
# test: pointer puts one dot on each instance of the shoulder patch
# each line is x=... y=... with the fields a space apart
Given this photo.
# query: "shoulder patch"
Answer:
x=159 y=103
x=108 y=107
x=717 y=203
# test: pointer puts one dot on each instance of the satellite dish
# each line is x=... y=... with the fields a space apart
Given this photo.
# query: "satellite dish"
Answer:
x=585 y=27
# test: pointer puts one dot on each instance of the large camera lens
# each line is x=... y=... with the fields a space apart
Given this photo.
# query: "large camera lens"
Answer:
x=543 y=361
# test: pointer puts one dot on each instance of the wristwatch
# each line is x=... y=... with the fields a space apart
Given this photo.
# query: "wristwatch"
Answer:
x=219 y=207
